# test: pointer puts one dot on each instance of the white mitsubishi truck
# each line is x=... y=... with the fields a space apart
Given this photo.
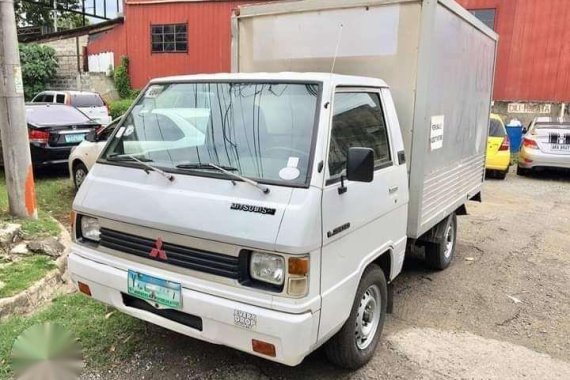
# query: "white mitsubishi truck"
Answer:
x=270 y=212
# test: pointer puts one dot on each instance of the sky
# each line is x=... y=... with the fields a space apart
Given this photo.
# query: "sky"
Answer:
x=98 y=6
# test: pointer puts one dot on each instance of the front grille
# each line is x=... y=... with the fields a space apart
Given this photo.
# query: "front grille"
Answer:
x=174 y=315
x=198 y=260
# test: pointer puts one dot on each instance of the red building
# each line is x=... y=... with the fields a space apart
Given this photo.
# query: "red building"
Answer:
x=533 y=62
x=170 y=37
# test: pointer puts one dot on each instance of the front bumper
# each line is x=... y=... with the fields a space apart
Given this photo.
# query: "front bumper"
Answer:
x=293 y=335
x=534 y=158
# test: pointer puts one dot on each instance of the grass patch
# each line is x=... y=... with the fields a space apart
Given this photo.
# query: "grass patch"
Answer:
x=20 y=275
x=54 y=197
x=104 y=339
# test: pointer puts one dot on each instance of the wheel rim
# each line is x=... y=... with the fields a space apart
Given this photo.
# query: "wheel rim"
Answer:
x=80 y=175
x=449 y=241
x=368 y=317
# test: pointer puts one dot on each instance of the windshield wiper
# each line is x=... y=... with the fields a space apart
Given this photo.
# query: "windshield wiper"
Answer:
x=226 y=170
x=205 y=166
x=126 y=157
x=144 y=162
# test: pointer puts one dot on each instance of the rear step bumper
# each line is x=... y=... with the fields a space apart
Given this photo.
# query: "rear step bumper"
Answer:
x=532 y=158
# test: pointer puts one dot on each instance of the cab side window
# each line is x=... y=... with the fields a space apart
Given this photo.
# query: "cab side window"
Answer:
x=358 y=121
x=60 y=98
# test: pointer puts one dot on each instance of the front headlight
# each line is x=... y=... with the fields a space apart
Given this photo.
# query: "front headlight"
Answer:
x=267 y=268
x=90 y=229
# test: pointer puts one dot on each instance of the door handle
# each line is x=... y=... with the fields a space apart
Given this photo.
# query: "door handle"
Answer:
x=393 y=189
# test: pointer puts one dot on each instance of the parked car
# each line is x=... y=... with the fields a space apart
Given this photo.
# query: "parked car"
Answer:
x=545 y=145
x=53 y=130
x=90 y=103
x=498 y=158
x=83 y=156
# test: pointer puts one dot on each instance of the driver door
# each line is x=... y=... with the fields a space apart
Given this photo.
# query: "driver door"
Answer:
x=364 y=219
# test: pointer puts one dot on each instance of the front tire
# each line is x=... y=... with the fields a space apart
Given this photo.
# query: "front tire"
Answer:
x=440 y=253
x=354 y=345
x=79 y=174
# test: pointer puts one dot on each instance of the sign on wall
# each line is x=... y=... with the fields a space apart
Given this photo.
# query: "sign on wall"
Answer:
x=534 y=108
x=436 y=132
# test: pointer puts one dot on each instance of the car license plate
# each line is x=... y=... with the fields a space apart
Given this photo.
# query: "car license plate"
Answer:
x=74 y=138
x=560 y=147
x=155 y=290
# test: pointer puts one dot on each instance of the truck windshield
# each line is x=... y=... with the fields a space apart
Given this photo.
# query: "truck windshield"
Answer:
x=259 y=130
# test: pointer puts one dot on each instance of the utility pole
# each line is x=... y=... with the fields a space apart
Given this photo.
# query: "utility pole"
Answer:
x=13 y=126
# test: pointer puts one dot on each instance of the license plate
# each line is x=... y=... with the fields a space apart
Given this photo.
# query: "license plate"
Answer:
x=74 y=138
x=560 y=147
x=156 y=290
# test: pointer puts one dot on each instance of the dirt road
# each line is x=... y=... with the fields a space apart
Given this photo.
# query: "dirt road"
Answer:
x=502 y=310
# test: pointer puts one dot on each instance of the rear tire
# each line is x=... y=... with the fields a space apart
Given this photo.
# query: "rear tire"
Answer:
x=354 y=345
x=522 y=171
x=79 y=173
x=502 y=174
x=439 y=254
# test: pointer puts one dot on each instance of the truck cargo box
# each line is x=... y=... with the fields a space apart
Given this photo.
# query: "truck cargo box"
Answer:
x=437 y=58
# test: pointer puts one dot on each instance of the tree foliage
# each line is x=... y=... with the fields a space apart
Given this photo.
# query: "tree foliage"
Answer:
x=40 y=13
x=39 y=66
x=122 y=80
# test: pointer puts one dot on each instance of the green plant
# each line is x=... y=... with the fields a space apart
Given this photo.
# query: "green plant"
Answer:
x=107 y=337
x=39 y=66
x=119 y=107
x=121 y=78
x=20 y=275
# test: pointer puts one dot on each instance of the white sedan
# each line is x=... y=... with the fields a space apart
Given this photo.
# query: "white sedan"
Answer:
x=84 y=156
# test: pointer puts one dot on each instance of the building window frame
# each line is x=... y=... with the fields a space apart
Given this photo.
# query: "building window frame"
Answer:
x=169 y=38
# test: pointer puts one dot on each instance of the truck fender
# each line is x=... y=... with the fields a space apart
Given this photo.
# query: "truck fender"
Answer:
x=384 y=259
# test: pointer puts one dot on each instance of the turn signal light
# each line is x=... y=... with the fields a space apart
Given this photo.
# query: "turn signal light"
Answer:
x=84 y=288
x=529 y=143
x=72 y=220
x=299 y=265
x=262 y=347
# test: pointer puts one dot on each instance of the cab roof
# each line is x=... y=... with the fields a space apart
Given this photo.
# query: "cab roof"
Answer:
x=333 y=79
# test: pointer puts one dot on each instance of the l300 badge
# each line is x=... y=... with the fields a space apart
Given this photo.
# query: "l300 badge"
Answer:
x=251 y=208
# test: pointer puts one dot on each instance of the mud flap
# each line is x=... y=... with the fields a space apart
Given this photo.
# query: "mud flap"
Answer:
x=390 y=303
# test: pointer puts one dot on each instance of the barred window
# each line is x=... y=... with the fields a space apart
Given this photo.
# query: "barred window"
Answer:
x=169 y=38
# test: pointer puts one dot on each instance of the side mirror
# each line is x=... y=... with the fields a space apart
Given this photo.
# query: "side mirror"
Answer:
x=524 y=130
x=360 y=165
x=91 y=136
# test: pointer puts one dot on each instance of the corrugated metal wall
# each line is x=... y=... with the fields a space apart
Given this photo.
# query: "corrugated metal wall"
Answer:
x=112 y=40
x=209 y=38
x=533 y=62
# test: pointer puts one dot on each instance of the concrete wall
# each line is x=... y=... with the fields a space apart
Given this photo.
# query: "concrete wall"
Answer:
x=97 y=82
x=67 y=52
x=70 y=74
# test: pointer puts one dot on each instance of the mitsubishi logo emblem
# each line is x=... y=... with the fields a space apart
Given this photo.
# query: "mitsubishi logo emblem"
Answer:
x=157 y=252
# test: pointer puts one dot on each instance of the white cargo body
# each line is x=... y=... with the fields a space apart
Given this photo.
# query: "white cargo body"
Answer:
x=436 y=57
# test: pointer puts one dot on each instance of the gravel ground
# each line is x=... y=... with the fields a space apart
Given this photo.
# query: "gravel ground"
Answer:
x=502 y=310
